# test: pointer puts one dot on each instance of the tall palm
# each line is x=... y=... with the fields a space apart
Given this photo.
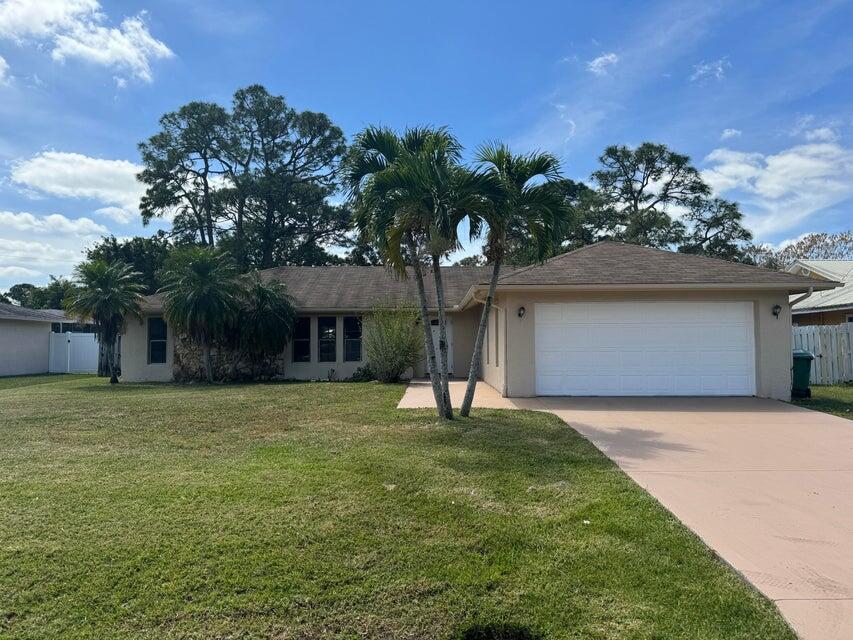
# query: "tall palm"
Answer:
x=410 y=194
x=107 y=294
x=527 y=202
x=201 y=295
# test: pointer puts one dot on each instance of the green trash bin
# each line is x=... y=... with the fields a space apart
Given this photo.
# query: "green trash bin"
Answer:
x=802 y=371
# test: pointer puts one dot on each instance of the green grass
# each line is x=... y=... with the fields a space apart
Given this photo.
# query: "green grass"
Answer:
x=320 y=511
x=14 y=382
x=836 y=399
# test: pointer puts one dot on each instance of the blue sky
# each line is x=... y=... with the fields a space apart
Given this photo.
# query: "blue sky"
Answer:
x=757 y=93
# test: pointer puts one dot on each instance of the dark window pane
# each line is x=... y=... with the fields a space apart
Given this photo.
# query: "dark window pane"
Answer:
x=302 y=351
x=302 y=340
x=156 y=329
x=302 y=331
x=326 y=330
x=156 y=341
x=352 y=339
x=157 y=353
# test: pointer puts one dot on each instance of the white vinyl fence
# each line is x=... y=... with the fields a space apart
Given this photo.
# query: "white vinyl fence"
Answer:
x=832 y=346
x=73 y=353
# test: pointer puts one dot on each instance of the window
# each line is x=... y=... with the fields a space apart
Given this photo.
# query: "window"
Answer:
x=326 y=338
x=302 y=340
x=850 y=317
x=156 y=341
x=352 y=339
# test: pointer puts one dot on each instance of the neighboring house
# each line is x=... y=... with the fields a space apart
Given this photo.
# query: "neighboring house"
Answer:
x=25 y=339
x=834 y=306
x=607 y=319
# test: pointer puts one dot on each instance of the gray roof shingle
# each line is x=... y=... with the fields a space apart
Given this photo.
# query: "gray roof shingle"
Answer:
x=615 y=263
x=14 y=312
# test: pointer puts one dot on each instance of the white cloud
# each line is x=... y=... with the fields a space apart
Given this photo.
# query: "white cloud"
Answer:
x=51 y=224
x=783 y=189
x=17 y=272
x=715 y=69
x=730 y=133
x=79 y=29
x=116 y=214
x=33 y=246
x=599 y=65
x=72 y=175
x=821 y=134
x=4 y=71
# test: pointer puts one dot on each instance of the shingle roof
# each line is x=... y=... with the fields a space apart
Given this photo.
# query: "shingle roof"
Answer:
x=606 y=263
x=840 y=298
x=615 y=263
x=351 y=287
x=14 y=312
x=354 y=288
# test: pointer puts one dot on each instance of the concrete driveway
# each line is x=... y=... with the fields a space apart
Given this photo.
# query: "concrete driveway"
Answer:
x=767 y=485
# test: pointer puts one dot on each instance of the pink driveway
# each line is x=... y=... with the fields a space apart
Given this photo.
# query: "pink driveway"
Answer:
x=767 y=485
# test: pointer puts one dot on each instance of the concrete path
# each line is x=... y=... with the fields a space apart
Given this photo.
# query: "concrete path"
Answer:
x=767 y=485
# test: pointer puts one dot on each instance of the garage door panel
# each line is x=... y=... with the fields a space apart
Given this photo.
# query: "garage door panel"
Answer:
x=645 y=348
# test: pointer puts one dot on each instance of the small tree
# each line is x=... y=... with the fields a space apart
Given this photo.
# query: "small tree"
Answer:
x=107 y=294
x=392 y=340
x=201 y=296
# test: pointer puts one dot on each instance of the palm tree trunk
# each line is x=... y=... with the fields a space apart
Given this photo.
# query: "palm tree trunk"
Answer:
x=208 y=364
x=477 y=357
x=432 y=368
x=111 y=359
x=442 y=336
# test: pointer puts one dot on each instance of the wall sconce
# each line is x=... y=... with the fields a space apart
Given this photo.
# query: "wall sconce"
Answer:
x=521 y=312
x=777 y=309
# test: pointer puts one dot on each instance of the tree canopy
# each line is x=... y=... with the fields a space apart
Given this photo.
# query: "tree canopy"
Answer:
x=256 y=179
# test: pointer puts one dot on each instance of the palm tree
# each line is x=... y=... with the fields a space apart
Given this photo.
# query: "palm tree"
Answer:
x=107 y=294
x=264 y=324
x=201 y=295
x=527 y=202
x=410 y=194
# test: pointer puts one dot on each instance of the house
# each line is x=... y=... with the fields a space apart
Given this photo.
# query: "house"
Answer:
x=833 y=306
x=25 y=339
x=606 y=319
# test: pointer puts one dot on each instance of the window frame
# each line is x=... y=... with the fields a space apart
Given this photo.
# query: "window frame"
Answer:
x=321 y=320
x=164 y=340
x=348 y=339
x=306 y=321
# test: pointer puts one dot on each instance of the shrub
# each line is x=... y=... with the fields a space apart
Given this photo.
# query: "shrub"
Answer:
x=393 y=341
x=363 y=374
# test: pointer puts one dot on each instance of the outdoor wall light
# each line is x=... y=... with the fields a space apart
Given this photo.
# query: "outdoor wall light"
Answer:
x=521 y=312
x=777 y=309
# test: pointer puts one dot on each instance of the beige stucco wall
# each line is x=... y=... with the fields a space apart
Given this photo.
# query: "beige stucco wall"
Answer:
x=134 y=353
x=135 y=367
x=494 y=349
x=822 y=317
x=773 y=342
x=24 y=347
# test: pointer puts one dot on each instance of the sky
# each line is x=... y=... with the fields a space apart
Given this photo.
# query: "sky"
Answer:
x=758 y=94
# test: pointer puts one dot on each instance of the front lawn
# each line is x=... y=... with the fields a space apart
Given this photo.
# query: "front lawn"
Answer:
x=321 y=511
x=836 y=399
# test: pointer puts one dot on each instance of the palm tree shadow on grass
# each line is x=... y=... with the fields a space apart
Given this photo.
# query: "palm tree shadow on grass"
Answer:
x=500 y=631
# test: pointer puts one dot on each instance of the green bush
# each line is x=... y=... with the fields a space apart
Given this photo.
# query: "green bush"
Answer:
x=393 y=342
x=363 y=374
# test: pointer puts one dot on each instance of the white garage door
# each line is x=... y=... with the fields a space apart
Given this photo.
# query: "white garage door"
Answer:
x=645 y=349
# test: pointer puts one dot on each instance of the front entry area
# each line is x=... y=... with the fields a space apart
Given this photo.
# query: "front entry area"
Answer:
x=645 y=349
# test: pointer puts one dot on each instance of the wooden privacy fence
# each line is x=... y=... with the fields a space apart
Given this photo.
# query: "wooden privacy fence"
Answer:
x=832 y=346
